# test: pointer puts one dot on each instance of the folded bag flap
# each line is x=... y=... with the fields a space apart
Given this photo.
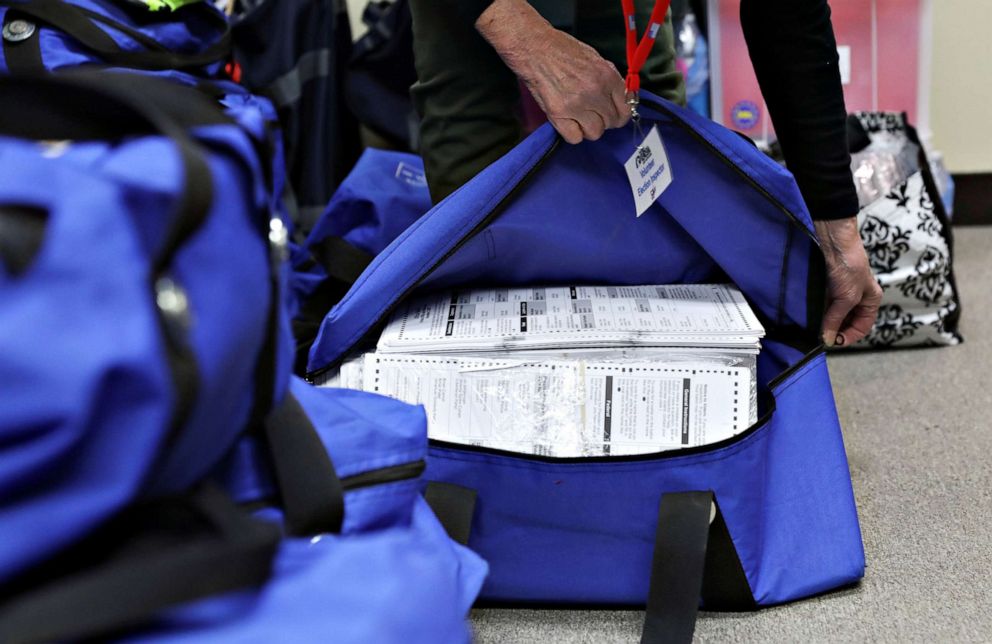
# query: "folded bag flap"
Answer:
x=552 y=213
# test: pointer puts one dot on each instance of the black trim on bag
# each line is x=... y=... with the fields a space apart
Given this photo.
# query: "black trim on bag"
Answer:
x=22 y=57
x=382 y=476
x=360 y=481
x=930 y=185
x=150 y=557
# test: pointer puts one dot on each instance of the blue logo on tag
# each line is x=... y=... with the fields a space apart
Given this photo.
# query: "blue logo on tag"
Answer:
x=745 y=114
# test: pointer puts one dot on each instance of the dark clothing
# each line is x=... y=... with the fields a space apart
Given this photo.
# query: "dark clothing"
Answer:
x=467 y=97
x=469 y=100
x=792 y=48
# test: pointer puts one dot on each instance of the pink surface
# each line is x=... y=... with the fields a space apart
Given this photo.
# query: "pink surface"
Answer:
x=898 y=59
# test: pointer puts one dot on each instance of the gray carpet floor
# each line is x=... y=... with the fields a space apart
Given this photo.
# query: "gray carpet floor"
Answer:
x=917 y=430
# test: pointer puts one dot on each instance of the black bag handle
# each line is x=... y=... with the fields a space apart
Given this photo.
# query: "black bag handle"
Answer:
x=311 y=492
x=116 y=106
x=150 y=558
x=694 y=558
x=79 y=23
x=454 y=507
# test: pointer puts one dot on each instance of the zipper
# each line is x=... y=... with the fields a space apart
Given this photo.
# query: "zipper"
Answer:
x=311 y=376
x=494 y=213
x=384 y=475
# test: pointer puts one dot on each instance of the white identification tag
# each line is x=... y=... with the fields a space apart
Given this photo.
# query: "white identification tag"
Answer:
x=649 y=171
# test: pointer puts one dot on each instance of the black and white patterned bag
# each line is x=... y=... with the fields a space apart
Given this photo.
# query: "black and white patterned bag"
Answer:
x=908 y=237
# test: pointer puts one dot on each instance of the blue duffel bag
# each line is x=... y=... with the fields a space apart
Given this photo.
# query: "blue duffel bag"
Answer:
x=144 y=367
x=139 y=317
x=633 y=530
x=381 y=197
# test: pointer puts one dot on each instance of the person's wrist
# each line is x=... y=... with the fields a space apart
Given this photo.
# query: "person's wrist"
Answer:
x=836 y=234
x=513 y=28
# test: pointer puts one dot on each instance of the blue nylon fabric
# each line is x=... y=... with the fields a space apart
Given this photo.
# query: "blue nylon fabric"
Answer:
x=586 y=531
x=404 y=586
x=403 y=262
x=104 y=373
x=187 y=31
x=709 y=225
x=82 y=431
x=380 y=198
x=583 y=531
x=362 y=433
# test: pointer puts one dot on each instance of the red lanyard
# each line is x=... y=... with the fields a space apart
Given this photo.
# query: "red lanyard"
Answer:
x=637 y=52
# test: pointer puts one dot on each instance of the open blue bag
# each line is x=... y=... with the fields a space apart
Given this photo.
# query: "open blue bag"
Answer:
x=634 y=530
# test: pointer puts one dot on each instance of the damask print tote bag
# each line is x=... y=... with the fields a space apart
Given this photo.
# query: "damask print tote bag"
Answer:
x=906 y=232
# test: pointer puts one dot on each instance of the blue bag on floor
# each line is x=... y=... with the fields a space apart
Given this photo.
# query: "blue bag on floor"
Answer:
x=128 y=331
x=633 y=530
x=380 y=198
x=48 y=35
x=142 y=355
x=409 y=585
x=377 y=446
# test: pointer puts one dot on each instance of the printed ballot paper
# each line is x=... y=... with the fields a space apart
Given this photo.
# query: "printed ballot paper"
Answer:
x=571 y=371
x=569 y=408
x=704 y=315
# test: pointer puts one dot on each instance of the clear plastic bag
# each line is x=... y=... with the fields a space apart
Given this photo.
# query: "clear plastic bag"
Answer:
x=594 y=402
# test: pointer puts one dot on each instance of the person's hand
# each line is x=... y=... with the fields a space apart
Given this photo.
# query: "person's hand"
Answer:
x=581 y=92
x=853 y=293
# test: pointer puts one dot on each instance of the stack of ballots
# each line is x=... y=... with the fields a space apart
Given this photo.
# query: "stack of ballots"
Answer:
x=571 y=371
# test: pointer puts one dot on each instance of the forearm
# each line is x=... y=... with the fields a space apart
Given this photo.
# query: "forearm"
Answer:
x=514 y=29
x=794 y=53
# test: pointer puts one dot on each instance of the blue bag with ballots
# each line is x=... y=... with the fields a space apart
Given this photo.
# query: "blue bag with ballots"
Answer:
x=49 y=35
x=140 y=374
x=381 y=197
x=607 y=530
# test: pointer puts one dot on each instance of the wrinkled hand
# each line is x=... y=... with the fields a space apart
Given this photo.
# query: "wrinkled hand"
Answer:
x=581 y=92
x=853 y=293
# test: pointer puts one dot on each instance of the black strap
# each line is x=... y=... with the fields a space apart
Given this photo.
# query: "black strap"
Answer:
x=341 y=261
x=343 y=264
x=310 y=490
x=79 y=23
x=46 y=108
x=454 y=506
x=693 y=558
x=677 y=567
x=24 y=56
x=150 y=558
